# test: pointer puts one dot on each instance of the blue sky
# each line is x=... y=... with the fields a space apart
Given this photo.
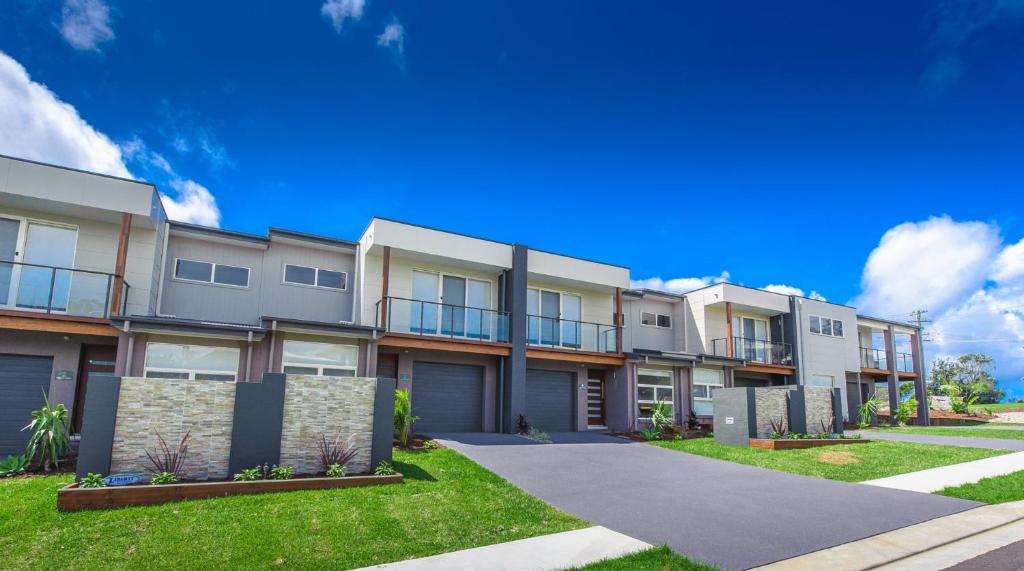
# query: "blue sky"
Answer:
x=870 y=152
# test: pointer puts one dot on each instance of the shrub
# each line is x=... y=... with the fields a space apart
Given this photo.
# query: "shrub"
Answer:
x=678 y=437
x=650 y=434
x=13 y=465
x=775 y=435
x=538 y=435
x=384 y=469
x=336 y=471
x=249 y=475
x=904 y=410
x=163 y=478
x=779 y=426
x=661 y=416
x=403 y=417
x=49 y=441
x=691 y=421
x=167 y=460
x=868 y=409
x=431 y=445
x=282 y=473
x=336 y=451
x=91 y=480
x=522 y=424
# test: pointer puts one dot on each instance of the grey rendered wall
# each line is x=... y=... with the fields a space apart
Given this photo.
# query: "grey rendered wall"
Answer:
x=212 y=302
x=256 y=426
x=94 y=451
x=648 y=337
x=826 y=355
x=303 y=302
x=736 y=404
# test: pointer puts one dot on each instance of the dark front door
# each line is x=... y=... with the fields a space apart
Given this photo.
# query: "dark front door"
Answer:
x=96 y=360
x=549 y=400
x=595 y=398
x=23 y=381
x=447 y=397
x=387 y=366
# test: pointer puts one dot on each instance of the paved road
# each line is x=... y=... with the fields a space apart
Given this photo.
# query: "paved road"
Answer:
x=1008 y=558
x=968 y=441
x=730 y=515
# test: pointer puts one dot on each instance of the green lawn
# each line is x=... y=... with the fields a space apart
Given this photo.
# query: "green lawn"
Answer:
x=850 y=463
x=996 y=490
x=654 y=559
x=446 y=503
x=955 y=431
x=998 y=407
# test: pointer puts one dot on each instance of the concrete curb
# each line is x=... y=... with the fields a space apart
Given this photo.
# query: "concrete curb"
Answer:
x=935 y=479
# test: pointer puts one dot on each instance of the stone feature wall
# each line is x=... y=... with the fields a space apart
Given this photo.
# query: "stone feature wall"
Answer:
x=173 y=407
x=818 y=407
x=329 y=406
x=770 y=405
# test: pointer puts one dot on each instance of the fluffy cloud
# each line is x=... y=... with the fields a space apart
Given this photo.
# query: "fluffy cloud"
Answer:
x=35 y=124
x=678 y=285
x=393 y=37
x=791 y=290
x=969 y=280
x=340 y=11
x=85 y=24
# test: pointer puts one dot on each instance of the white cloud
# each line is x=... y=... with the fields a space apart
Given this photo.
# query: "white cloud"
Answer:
x=971 y=283
x=339 y=11
x=791 y=290
x=393 y=37
x=678 y=285
x=85 y=24
x=194 y=204
x=35 y=124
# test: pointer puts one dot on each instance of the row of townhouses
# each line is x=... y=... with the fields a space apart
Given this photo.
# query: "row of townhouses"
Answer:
x=95 y=280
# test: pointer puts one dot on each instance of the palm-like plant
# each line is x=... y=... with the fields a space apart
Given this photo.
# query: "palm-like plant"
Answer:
x=661 y=416
x=868 y=409
x=403 y=417
x=49 y=440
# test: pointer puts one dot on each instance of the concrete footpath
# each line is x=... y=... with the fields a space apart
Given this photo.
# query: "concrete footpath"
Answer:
x=545 y=553
x=937 y=544
x=935 y=479
x=968 y=441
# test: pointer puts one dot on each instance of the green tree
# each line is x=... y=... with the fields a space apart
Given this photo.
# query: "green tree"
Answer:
x=970 y=373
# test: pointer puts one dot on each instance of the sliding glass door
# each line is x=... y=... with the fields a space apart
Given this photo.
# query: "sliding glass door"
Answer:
x=554 y=318
x=751 y=338
x=9 y=230
x=423 y=310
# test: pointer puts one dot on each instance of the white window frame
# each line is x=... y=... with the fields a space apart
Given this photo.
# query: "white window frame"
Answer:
x=190 y=372
x=487 y=313
x=709 y=398
x=319 y=369
x=316 y=277
x=213 y=274
x=832 y=326
x=560 y=319
x=671 y=389
x=21 y=244
x=656 y=316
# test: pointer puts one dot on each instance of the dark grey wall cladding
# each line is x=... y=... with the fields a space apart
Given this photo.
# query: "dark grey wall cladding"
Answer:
x=97 y=443
x=256 y=427
x=514 y=399
x=383 y=421
x=837 y=410
x=737 y=405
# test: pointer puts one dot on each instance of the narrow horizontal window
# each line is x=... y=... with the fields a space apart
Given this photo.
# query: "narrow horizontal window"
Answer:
x=195 y=271
x=231 y=275
x=327 y=278
x=317 y=277
x=299 y=275
x=647 y=318
x=664 y=321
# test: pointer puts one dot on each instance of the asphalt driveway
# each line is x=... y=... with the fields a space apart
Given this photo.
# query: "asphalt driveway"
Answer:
x=729 y=515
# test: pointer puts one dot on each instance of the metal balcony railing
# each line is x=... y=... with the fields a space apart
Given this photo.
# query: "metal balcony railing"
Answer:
x=873 y=359
x=571 y=334
x=904 y=362
x=53 y=289
x=443 y=320
x=754 y=350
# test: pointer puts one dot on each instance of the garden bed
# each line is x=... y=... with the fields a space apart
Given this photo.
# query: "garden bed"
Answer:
x=944 y=418
x=801 y=443
x=73 y=497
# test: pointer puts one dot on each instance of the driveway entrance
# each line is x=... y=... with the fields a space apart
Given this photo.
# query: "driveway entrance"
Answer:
x=729 y=515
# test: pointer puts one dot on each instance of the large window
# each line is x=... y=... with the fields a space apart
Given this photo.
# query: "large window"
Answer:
x=651 y=319
x=653 y=386
x=197 y=362
x=826 y=326
x=211 y=273
x=321 y=359
x=554 y=318
x=705 y=381
x=315 y=277
x=457 y=306
x=825 y=381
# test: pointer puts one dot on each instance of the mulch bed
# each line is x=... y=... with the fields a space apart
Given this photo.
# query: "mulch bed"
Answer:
x=945 y=418
x=637 y=437
x=416 y=442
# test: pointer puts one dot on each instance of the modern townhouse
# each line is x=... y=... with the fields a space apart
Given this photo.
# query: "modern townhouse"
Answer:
x=482 y=331
x=76 y=249
x=681 y=347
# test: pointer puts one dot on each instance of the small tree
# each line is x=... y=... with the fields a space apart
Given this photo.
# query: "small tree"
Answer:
x=971 y=373
x=403 y=417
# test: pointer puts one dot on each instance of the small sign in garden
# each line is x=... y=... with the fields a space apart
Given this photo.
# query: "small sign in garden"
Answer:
x=122 y=479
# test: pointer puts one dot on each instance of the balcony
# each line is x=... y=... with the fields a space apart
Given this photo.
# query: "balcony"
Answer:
x=904 y=363
x=571 y=334
x=433 y=319
x=754 y=351
x=876 y=359
x=59 y=291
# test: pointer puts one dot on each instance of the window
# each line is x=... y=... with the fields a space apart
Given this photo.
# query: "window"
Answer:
x=456 y=306
x=826 y=326
x=321 y=359
x=315 y=277
x=655 y=320
x=826 y=381
x=705 y=381
x=553 y=318
x=653 y=386
x=195 y=362
x=208 y=272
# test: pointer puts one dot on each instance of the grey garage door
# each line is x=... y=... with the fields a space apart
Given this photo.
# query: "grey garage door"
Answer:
x=447 y=397
x=549 y=400
x=23 y=378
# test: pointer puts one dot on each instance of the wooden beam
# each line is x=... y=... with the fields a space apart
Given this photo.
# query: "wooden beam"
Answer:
x=879 y=372
x=384 y=287
x=462 y=346
x=24 y=323
x=906 y=375
x=618 y=319
x=574 y=356
x=120 y=261
x=728 y=329
x=773 y=369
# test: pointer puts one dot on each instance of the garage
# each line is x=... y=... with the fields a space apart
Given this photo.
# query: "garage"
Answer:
x=23 y=378
x=550 y=400
x=447 y=397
